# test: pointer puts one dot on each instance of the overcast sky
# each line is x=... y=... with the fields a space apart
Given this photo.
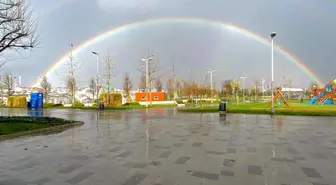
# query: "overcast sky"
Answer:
x=305 y=27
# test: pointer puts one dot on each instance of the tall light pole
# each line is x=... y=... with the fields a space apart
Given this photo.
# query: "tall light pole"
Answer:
x=97 y=78
x=147 y=77
x=210 y=71
x=243 y=78
x=273 y=34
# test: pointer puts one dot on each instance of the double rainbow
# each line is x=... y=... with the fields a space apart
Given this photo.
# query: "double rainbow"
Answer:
x=218 y=24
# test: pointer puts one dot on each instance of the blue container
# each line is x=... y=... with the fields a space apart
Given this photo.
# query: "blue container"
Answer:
x=36 y=100
x=328 y=88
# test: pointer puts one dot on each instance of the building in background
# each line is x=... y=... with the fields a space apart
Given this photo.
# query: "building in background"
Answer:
x=156 y=96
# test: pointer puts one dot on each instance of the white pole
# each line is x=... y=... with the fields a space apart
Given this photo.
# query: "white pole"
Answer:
x=211 y=87
x=243 y=90
x=146 y=82
x=97 y=93
x=272 y=110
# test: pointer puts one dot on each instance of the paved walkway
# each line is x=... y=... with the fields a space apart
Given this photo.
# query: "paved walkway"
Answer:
x=162 y=147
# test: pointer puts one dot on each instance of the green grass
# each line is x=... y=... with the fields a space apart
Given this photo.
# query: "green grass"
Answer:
x=263 y=108
x=16 y=127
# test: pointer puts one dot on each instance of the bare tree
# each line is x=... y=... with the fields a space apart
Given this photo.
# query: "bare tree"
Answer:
x=142 y=84
x=46 y=86
x=153 y=67
x=158 y=85
x=170 y=88
x=93 y=87
x=71 y=87
x=127 y=87
x=71 y=80
x=235 y=88
x=17 y=28
x=110 y=68
x=9 y=84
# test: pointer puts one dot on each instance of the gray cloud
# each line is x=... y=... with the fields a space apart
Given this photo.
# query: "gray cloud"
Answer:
x=305 y=29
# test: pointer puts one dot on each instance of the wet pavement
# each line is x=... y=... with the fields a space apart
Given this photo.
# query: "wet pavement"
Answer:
x=164 y=147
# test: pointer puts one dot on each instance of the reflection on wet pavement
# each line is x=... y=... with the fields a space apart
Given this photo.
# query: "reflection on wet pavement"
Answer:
x=163 y=146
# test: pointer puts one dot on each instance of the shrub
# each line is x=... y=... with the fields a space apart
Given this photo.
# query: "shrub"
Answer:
x=58 y=105
x=77 y=104
x=17 y=101
x=46 y=105
x=113 y=99
x=27 y=119
x=132 y=103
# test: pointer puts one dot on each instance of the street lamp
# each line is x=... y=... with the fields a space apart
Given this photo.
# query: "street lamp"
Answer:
x=147 y=77
x=243 y=78
x=273 y=34
x=97 y=77
x=211 y=71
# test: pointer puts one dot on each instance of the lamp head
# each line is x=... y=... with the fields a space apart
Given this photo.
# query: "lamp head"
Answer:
x=273 y=34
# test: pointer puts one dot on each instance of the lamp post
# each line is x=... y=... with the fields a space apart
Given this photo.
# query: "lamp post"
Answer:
x=147 y=77
x=97 y=78
x=243 y=78
x=210 y=71
x=273 y=34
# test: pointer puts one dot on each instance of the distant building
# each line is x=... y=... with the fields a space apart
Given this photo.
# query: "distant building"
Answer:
x=156 y=96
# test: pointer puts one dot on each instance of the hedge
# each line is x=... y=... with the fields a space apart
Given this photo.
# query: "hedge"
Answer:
x=17 y=101
x=42 y=120
x=114 y=99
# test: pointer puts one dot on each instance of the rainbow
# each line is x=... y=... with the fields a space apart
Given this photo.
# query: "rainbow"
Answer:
x=228 y=26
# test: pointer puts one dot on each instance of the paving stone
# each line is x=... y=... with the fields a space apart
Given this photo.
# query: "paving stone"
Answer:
x=220 y=139
x=311 y=172
x=13 y=182
x=70 y=168
x=251 y=150
x=215 y=152
x=182 y=160
x=135 y=165
x=254 y=170
x=135 y=179
x=196 y=144
x=229 y=162
x=155 y=163
x=299 y=158
x=231 y=150
x=227 y=173
x=178 y=144
x=204 y=175
x=165 y=154
x=283 y=160
x=79 y=177
x=125 y=154
x=116 y=149
x=317 y=183
x=292 y=150
x=42 y=181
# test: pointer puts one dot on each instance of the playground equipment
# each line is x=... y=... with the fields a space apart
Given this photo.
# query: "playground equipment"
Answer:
x=324 y=95
x=278 y=94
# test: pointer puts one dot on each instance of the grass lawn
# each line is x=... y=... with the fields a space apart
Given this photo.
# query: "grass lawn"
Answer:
x=13 y=127
x=263 y=108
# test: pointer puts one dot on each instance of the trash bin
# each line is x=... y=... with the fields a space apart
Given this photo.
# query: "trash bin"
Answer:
x=222 y=107
x=101 y=105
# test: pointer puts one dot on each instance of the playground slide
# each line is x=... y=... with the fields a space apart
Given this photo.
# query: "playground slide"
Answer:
x=313 y=100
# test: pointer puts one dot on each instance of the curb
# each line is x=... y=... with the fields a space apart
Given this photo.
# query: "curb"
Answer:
x=42 y=131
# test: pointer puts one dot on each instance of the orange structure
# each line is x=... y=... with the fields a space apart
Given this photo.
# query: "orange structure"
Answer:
x=277 y=95
x=156 y=96
x=325 y=95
